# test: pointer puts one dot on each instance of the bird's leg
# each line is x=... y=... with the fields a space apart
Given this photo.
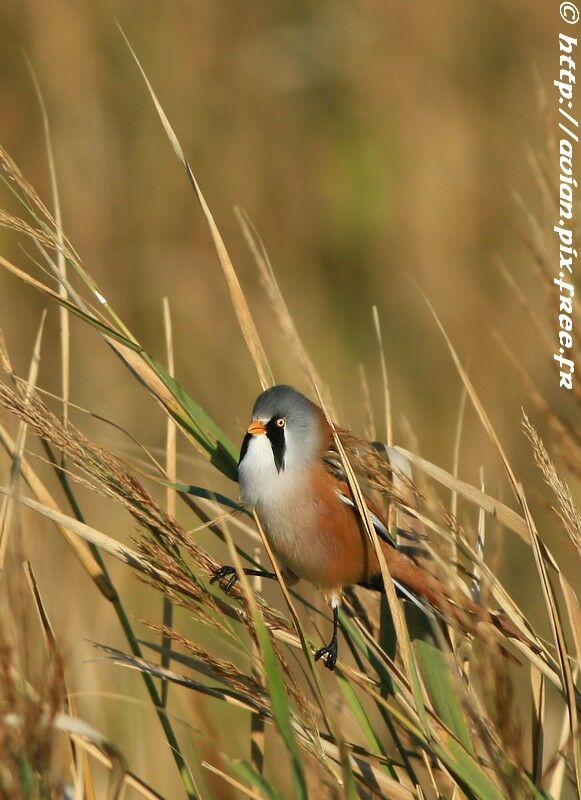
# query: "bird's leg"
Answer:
x=230 y=573
x=329 y=652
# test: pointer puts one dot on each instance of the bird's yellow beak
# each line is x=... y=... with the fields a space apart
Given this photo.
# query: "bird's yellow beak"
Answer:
x=256 y=427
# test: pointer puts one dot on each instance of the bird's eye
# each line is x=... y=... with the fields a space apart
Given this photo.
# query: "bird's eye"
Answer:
x=280 y=421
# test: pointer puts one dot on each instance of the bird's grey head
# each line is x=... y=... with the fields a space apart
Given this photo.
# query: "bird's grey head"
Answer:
x=284 y=435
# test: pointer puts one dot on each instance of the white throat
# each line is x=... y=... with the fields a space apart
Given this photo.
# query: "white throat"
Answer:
x=262 y=485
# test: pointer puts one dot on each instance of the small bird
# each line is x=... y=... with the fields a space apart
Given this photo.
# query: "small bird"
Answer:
x=291 y=473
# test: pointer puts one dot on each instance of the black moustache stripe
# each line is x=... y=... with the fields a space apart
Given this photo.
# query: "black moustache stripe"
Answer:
x=244 y=448
x=278 y=443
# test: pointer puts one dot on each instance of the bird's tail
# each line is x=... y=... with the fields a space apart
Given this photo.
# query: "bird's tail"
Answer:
x=460 y=611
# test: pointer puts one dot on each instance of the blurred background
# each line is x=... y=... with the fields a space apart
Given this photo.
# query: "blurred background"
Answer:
x=371 y=144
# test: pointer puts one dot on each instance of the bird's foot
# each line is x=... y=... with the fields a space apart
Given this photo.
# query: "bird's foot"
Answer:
x=328 y=654
x=227 y=572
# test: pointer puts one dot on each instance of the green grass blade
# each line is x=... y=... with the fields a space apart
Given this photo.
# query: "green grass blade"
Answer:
x=439 y=683
x=387 y=639
x=468 y=771
x=365 y=724
x=280 y=705
x=246 y=773
x=222 y=452
x=279 y=700
x=442 y=744
x=358 y=644
x=199 y=491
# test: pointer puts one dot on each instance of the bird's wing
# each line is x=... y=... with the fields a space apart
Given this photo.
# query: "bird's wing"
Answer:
x=382 y=473
x=373 y=463
x=362 y=458
x=380 y=527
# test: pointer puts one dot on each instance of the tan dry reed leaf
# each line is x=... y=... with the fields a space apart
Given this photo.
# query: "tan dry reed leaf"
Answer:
x=241 y=308
x=574 y=612
x=557 y=768
x=81 y=729
x=171 y=429
x=60 y=240
x=384 y=377
x=232 y=781
x=272 y=288
x=454 y=494
x=457 y=445
x=257 y=726
x=89 y=534
x=502 y=512
x=5 y=362
x=47 y=629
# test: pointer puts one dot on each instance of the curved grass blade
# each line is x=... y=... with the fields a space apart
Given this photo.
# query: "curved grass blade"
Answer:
x=245 y=320
x=204 y=494
x=101 y=326
x=279 y=701
x=245 y=771
x=197 y=424
x=222 y=452
x=439 y=683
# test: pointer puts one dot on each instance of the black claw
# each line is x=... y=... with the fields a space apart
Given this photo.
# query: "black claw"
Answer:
x=230 y=573
x=223 y=572
x=230 y=582
x=329 y=654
